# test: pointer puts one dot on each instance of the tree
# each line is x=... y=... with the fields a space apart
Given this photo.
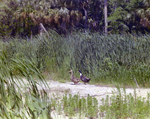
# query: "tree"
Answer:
x=105 y=15
x=123 y=16
x=144 y=14
x=7 y=19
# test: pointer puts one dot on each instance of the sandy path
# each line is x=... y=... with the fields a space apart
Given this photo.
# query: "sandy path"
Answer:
x=83 y=90
x=93 y=90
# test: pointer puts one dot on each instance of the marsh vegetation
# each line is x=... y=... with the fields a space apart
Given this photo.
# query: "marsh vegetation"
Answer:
x=112 y=60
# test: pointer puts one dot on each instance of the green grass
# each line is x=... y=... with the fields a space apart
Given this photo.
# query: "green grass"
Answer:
x=120 y=106
x=126 y=106
x=105 y=59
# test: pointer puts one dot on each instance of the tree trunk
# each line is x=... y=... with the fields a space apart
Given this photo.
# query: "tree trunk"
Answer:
x=85 y=22
x=105 y=16
x=42 y=29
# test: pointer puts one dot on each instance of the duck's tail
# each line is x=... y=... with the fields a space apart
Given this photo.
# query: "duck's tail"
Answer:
x=89 y=79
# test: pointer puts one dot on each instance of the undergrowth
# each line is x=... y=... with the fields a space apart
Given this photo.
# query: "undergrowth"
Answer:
x=20 y=96
x=117 y=106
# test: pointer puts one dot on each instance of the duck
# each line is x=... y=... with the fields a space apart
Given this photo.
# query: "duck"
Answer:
x=73 y=78
x=83 y=78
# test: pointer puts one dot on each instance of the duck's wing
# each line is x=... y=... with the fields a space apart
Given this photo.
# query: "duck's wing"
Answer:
x=85 y=79
x=76 y=79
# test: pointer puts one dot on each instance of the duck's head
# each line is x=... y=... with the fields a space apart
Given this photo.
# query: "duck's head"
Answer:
x=80 y=71
x=71 y=71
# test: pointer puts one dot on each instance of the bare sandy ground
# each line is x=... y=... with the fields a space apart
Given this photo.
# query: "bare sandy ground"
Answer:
x=93 y=90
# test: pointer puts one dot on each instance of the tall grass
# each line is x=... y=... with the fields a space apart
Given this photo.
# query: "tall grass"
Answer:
x=124 y=106
x=107 y=59
x=19 y=93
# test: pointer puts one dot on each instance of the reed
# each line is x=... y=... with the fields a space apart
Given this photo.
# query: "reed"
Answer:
x=20 y=96
x=107 y=59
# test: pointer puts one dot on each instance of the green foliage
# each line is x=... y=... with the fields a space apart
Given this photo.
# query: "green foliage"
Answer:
x=123 y=16
x=125 y=106
x=71 y=105
x=120 y=105
x=15 y=101
x=7 y=10
x=22 y=18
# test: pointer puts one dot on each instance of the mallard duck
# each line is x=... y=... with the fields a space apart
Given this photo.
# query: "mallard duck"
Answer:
x=83 y=78
x=73 y=78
